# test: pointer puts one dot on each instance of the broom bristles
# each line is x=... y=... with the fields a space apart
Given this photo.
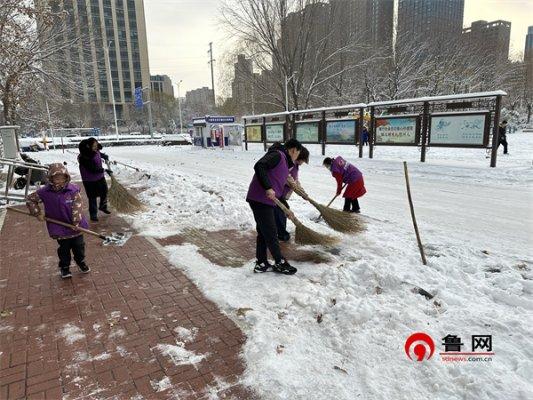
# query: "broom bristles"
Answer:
x=339 y=220
x=121 y=199
x=305 y=235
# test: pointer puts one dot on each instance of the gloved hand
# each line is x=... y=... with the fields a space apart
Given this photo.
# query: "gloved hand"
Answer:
x=40 y=217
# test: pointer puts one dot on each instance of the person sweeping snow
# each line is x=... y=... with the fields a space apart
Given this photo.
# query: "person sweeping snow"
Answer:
x=347 y=173
x=281 y=218
x=62 y=201
x=92 y=175
x=268 y=182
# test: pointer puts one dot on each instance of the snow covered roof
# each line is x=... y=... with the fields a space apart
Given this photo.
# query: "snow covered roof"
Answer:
x=439 y=98
x=311 y=110
x=266 y=115
x=384 y=103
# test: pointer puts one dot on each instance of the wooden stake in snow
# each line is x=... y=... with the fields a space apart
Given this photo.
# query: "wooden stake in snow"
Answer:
x=413 y=217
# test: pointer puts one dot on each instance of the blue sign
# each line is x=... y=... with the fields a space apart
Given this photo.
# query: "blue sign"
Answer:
x=139 y=97
x=220 y=120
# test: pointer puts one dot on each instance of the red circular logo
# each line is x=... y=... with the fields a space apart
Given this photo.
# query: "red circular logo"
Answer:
x=419 y=349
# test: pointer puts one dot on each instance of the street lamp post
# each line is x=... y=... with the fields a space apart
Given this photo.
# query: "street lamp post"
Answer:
x=112 y=88
x=287 y=80
x=179 y=105
x=149 y=102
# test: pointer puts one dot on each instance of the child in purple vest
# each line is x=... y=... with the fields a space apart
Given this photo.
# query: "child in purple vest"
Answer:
x=268 y=182
x=281 y=218
x=92 y=175
x=347 y=173
x=62 y=201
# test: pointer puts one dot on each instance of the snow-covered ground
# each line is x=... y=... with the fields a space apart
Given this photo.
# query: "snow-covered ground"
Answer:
x=476 y=224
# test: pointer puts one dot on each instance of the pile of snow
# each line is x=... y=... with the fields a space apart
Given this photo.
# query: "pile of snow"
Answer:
x=338 y=330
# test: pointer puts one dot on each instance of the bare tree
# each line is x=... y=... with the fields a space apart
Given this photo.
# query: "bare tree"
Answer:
x=298 y=38
x=34 y=42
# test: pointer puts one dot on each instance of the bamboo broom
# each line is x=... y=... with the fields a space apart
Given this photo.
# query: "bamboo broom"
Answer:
x=120 y=199
x=305 y=235
x=339 y=220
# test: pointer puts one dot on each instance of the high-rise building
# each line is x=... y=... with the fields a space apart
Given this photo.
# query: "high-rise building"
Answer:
x=437 y=20
x=241 y=87
x=161 y=84
x=201 y=97
x=488 y=39
x=112 y=53
x=528 y=59
x=369 y=22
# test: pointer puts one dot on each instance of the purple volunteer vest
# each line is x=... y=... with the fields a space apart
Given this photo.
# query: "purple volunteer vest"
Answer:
x=350 y=173
x=58 y=205
x=294 y=173
x=89 y=176
x=277 y=176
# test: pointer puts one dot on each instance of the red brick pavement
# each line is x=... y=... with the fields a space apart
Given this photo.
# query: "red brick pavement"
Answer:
x=96 y=335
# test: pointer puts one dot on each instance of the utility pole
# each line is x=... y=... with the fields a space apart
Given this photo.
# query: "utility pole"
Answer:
x=110 y=80
x=211 y=61
x=149 y=102
x=179 y=105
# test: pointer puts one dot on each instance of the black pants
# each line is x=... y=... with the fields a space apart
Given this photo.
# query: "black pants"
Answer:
x=267 y=233
x=281 y=221
x=504 y=142
x=95 y=190
x=76 y=245
x=353 y=203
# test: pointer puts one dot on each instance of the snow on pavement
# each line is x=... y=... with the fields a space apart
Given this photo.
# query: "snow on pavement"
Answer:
x=476 y=224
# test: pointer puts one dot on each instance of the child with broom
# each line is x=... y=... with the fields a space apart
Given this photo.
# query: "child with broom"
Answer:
x=62 y=201
x=344 y=172
x=281 y=218
x=268 y=182
x=92 y=175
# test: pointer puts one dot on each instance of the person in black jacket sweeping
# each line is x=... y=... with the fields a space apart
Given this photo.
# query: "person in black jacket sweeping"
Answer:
x=92 y=175
x=268 y=182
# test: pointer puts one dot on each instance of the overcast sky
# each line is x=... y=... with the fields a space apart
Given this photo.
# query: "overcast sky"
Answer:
x=179 y=32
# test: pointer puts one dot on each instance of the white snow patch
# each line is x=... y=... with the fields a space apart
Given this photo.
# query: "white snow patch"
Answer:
x=71 y=333
x=117 y=333
x=162 y=385
x=179 y=355
x=186 y=335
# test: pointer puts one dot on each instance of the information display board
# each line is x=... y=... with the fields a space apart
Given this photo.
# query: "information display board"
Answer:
x=253 y=133
x=341 y=132
x=459 y=130
x=307 y=132
x=398 y=130
x=274 y=132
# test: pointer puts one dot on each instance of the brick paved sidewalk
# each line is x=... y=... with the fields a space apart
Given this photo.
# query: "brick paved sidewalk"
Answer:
x=112 y=333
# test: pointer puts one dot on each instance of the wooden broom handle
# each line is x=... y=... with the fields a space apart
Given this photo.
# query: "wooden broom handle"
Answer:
x=284 y=209
x=55 y=221
x=337 y=195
